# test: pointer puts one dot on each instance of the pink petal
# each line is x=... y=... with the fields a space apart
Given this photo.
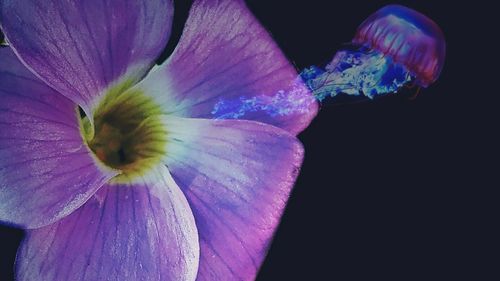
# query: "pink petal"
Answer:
x=80 y=47
x=46 y=171
x=144 y=231
x=237 y=176
x=225 y=53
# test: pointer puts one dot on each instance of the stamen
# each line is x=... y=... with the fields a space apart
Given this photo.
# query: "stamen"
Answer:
x=128 y=134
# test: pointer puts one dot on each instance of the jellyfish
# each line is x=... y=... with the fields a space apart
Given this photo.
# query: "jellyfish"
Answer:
x=393 y=48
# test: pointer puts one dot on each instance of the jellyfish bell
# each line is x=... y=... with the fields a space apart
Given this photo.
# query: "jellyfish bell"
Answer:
x=409 y=38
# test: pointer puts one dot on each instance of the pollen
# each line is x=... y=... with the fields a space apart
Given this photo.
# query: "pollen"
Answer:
x=127 y=134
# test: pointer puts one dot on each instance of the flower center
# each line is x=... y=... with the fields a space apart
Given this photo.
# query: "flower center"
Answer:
x=128 y=134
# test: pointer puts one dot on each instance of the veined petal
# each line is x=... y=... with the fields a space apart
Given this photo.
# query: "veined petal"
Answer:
x=46 y=171
x=144 y=231
x=237 y=176
x=81 y=47
x=224 y=53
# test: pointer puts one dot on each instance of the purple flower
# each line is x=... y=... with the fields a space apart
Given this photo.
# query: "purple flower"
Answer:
x=143 y=187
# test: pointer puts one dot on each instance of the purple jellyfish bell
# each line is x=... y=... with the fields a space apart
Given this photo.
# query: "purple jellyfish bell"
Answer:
x=409 y=38
x=395 y=46
x=146 y=185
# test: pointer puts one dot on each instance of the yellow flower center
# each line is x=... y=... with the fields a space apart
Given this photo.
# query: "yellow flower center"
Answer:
x=128 y=134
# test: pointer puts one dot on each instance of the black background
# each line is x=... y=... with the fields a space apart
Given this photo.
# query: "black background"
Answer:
x=394 y=189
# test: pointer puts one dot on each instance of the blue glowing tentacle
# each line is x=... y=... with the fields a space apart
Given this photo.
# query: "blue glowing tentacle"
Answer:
x=363 y=73
x=294 y=101
x=357 y=73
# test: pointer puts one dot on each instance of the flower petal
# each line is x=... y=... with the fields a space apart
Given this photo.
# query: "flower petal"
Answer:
x=80 y=47
x=224 y=53
x=144 y=231
x=237 y=176
x=46 y=171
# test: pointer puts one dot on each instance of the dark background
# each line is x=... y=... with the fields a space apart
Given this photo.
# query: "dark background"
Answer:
x=394 y=189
